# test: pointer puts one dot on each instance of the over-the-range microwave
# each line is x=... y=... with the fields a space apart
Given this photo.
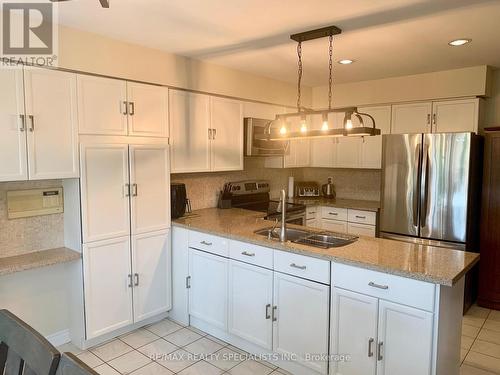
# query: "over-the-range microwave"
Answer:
x=258 y=147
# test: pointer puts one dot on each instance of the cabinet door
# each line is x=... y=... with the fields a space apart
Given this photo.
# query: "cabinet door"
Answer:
x=361 y=229
x=322 y=150
x=348 y=149
x=371 y=147
x=105 y=191
x=150 y=188
x=301 y=316
x=189 y=138
x=102 y=107
x=227 y=144
x=261 y=110
x=51 y=109
x=314 y=223
x=354 y=332
x=208 y=291
x=147 y=109
x=405 y=336
x=13 y=163
x=107 y=278
x=250 y=303
x=411 y=118
x=455 y=116
x=334 y=225
x=151 y=274
x=299 y=155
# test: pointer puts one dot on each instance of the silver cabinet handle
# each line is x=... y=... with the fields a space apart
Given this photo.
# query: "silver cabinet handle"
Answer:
x=332 y=213
x=268 y=313
x=374 y=285
x=130 y=280
x=136 y=277
x=32 y=121
x=428 y=119
x=125 y=108
x=275 y=308
x=23 y=123
x=134 y=190
x=127 y=190
x=214 y=133
x=379 y=351
x=206 y=243
x=248 y=254
x=209 y=133
x=434 y=118
x=131 y=108
x=188 y=282
x=298 y=267
x=360 y=217
x=370 y=343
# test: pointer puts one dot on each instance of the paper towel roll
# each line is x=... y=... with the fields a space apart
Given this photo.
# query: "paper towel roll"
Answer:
x=291 y=181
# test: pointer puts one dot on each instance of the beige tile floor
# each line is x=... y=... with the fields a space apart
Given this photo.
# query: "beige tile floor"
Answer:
x=134 y=353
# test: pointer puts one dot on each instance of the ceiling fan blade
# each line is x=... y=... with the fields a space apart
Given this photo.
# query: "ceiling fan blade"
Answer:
x=104 y=3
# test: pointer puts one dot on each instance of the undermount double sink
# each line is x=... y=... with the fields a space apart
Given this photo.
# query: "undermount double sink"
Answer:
x=324 y=240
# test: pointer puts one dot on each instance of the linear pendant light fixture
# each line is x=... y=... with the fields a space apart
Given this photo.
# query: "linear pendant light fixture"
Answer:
x=277 y=129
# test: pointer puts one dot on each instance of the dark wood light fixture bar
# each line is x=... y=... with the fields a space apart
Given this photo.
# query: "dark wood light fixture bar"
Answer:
x=316 y=34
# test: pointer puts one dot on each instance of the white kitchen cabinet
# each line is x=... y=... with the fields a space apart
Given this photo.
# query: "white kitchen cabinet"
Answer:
x=226 y=119
x=298 y=300
x=189 y=132
x=314 y=223
x=357 y=229
x=147 y=109
x=104 y=191
x=250 y=303
x=334 y=225
x=450 y=116
x=323 y=150
x=405 y=336
x=261 y=110
x=411 y=118
x=354 y=332
x=13 y=156
x=107 y=276
x=208 y=287
x=102 y=105
x=150 y=187
x=51 y=116
x=180 y=275
x=371 y=147
x=348 y=152
x=151 y=274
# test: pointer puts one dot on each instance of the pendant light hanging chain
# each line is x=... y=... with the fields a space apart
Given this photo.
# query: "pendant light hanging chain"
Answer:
x=330 y=67
x=299 y=55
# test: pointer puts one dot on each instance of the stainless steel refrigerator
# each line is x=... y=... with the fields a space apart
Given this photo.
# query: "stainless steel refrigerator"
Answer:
x=430 y=189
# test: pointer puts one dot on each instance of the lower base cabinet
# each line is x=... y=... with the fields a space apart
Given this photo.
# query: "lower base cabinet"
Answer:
x=301 y=314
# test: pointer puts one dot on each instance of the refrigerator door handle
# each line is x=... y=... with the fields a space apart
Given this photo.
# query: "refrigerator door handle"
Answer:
x=425 y=188
x=418 y=161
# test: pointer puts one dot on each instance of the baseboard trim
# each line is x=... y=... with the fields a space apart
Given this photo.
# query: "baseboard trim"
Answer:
x=59 y=338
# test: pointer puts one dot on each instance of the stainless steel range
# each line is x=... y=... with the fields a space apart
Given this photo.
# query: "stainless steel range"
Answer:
x=254 y=195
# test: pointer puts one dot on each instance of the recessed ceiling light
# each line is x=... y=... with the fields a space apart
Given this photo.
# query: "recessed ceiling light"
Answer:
x=459 y=42
x=345 y=61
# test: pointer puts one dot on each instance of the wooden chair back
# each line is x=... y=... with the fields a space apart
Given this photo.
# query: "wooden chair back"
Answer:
x=70 y=364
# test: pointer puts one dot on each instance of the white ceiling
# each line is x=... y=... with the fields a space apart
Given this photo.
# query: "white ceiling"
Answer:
x=385 y=37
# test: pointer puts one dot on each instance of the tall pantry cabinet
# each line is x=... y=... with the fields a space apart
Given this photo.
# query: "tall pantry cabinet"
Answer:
x=125 y=204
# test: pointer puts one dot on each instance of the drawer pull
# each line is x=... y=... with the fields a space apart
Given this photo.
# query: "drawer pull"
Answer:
x=246 y=253
x=206 y=243
x=274 y=313
x=370 y=343
x=360 y=217
x=268 y=313
x=379 y=355
x=298 y=267
x=374 y=285
x=333 y=213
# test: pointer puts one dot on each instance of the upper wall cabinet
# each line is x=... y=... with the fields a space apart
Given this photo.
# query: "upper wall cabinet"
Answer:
x=455 y=116
x=371 y=148
x=116 y=107
x=206 y=133
x=411 y=118
x=38 y=124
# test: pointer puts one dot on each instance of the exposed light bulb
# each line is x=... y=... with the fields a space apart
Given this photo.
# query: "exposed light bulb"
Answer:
x=283 y=129
x=303 y=124
x=324 y=126
x=348 y=124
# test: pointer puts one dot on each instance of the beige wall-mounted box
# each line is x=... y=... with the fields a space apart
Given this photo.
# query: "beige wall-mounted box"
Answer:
x=34 y=202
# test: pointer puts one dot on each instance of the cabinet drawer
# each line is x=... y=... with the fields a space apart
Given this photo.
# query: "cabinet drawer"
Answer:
x=209 y=243
x=313 y=223
x=312 y=212
x=415 y=293
x=362 y=217
x=302 y=266
x=253 y=254
x=334 y=213
x=334 y=225
x=361 y=229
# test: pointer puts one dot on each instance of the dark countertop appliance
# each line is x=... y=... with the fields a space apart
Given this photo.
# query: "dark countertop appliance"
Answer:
x=254 y=195
x=178 y=199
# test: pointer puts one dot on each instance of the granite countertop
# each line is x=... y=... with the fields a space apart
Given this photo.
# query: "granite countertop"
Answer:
x=356 y=204
x=426 y=263
x=37 y=259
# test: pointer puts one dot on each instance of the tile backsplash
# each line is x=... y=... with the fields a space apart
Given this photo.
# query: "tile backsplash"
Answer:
x=203 y=188
x=26 y=235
